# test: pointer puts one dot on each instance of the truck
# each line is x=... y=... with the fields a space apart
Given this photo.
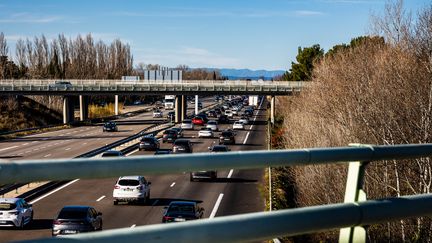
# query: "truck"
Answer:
x=169 y=102
x=253 y=100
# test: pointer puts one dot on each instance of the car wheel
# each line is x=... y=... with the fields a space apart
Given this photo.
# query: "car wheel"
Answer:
x=148 y=197
x=115 y=202
x=191 y=178
x=21 y=226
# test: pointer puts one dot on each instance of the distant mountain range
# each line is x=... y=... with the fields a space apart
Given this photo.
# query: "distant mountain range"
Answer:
x=247 y=73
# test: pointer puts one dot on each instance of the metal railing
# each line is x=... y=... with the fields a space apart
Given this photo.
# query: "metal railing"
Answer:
x=238 y=228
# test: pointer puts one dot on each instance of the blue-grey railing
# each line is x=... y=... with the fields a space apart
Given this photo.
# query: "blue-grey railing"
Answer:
x=246 y=227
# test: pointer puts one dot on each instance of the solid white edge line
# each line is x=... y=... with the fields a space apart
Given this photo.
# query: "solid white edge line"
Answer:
x=51 y=192
x=230 y=173
x=216 y=206
x=8 y=148
x=172 y=184
x=100 y=198
x=132 y=152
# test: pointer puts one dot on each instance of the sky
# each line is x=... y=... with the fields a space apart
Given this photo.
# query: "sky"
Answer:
x=254 y=34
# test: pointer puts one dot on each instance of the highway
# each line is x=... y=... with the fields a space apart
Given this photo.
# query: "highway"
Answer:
x=234 y=192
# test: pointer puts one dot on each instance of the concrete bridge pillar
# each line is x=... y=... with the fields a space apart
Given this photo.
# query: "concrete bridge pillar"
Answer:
x=83 y=102
x=178 y=108
x=272 y=109
x=183 y=107
x=196 y=104
x=116 y=105
x=68 y=110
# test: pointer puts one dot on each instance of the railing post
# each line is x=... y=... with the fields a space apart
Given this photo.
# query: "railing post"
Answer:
x=354 y=193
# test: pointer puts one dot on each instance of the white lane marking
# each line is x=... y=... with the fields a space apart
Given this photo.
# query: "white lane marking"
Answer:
x=84 y=143
x=20 y=154
x=246 y=138
x=216 y=206
x=44 y=138
x=155 y=202
x=172 y=184
x=67 y=148
x=100 y=198
x=54 y=191
x=8 y=148
x=132 y=152
x=24 y=144
x=133 y=226
x=48 y=155
x=230 y=173
x=34 y=141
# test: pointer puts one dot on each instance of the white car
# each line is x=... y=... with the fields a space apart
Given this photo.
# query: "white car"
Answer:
x=229 y=113
x=244 y=120
x=234 y=111
x=157 y=114
x=130 y=189
x=187 y=124
x=238 y=125
x=15 y=212
x=213 y=125
x=205 y=133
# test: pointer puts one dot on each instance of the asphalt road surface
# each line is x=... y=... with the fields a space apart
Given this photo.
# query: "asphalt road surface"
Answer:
x=233 y=192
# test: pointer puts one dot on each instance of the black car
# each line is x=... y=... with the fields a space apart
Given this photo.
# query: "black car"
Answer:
x=223 y=119
x=179 y=131
x=182 y=146
x=169 y=135
x=164 y=151
x=227 y=137
x=76 y=219
x=248 y=112
x=179 y=211
x=149 y=143
x=110 y=127
x=171 y=115
x=112 y=153
x=209 y=174
x=211 y=113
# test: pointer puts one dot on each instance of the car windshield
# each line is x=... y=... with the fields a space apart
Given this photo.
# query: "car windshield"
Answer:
x=169 y=132
x=147 y=140
x=211 y=123
x=226 y=134
x=181 y=209
x=73 y=214
x=7 y=206
x=128 y=182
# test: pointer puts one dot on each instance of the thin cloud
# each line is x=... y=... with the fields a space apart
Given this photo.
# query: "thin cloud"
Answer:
x=29 y=18
x=353 y=1
x=308 y=13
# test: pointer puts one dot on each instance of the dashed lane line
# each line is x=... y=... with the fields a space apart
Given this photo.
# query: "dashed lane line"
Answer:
x=99 y=199
x=216 y=206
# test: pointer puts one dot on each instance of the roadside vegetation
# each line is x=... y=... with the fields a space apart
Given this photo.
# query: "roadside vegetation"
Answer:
x=97 y=111
x=375 y=90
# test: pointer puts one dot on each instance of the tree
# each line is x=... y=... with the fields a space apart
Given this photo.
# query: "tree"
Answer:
x=306 y=57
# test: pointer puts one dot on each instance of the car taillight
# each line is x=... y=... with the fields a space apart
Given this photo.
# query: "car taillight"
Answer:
x=165 y=135
x=166 y=218
x=116 y=187
x=56 y=221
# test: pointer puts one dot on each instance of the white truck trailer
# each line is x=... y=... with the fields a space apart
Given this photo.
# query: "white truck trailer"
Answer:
x=169 y=102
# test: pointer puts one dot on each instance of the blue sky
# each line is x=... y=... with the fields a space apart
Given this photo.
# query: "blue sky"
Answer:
x=255 y=34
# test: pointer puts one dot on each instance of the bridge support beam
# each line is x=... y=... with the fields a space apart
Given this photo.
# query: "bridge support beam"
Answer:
x=196 y=104
x=116 y=105
x=83 y=102
x=178 y=108
x=68 y=110
x=183 y=107
x=272 y=109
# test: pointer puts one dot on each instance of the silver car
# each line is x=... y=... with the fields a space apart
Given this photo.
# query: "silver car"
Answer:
x=187 y=124
x=15 y=212
x=76 y=219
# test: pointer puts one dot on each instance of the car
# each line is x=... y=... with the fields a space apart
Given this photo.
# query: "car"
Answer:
x=187 y=124
x=179 y=131
x=238 y=125
x=229 y=113
x=15 y=212
x=218 y=111
x=180 y=211
x=213 y=125
x=157 y=113
x=149 y=143
x=197 y=120
x=209 y=174
x=112 y=153
x=203 y=116
x=212 y=113
x=200 y=105
x=76 y=219
x=227 y=137
x=131 y=189
x=205 y=133
x=219 y=148
x=171 y=115
x=248 y=112
x=244 y=120
x=61 y=84
x=182 y=146
x=223 y=119
x=169 y=135
x=164 y=151
x=110 y=127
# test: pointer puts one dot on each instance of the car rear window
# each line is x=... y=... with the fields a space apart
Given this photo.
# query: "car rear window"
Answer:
x=72 y=214
x=226 y=134
x=148 y=140
x=182 y=143
x=7 y=206
x=128 y=182
x=181 y=209
x=219 y=149
x=187 y=121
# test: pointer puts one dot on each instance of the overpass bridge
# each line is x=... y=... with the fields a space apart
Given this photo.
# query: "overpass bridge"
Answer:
x=84 y=88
